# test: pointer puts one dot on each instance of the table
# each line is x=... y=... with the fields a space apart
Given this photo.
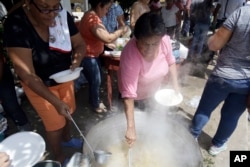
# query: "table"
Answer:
x=111 y=63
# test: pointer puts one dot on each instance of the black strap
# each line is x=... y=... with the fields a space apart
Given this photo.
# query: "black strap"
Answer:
x=225 y=10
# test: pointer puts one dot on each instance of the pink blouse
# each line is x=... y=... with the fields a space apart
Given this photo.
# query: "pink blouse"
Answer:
x=139 y=79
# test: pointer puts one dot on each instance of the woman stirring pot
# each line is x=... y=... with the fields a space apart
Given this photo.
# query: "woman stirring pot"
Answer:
x=145 y=62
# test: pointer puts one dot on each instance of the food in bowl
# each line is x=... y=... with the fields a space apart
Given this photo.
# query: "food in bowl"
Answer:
x=120 y=43
x=116 y=53
x=66 y=75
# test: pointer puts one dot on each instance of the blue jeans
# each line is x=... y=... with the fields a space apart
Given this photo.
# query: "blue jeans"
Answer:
x=200 y=34
x=234 y=93
x=92 y=72
x=186 y=24
x=9 y=98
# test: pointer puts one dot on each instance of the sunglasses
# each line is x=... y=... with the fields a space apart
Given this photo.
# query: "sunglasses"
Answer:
x=47 y=11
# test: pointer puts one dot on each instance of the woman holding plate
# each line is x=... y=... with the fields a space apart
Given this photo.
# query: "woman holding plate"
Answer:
x=41 y=39
x=145 y=62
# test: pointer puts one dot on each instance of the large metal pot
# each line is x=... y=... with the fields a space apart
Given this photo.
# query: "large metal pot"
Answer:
x=47 y=163
x=161 y=142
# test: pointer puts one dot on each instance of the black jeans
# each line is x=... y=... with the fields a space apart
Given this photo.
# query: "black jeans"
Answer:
x=9 y=98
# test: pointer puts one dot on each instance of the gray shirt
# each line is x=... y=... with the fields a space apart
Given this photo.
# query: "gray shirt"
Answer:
x=234 y=60
x=228 y=7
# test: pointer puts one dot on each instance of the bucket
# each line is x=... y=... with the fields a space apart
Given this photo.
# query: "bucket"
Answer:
x=47 y=163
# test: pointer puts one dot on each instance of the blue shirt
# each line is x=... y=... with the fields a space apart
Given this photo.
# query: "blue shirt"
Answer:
x=110 y=20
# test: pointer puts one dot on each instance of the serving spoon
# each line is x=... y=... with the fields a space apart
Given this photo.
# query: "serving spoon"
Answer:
x=101 y=156
x=129 y=157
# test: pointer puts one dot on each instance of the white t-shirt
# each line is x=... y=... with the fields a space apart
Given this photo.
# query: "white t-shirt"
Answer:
x=169 y=16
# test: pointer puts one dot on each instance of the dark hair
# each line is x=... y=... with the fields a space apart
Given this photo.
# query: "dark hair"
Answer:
x=149 y=24
x=94 y=3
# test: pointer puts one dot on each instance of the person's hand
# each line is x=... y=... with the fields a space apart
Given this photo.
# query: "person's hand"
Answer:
x=74 y=64
x=62 y=109
x=4 y=160
x=130 y=136
x=111 y=45
x=126 y=32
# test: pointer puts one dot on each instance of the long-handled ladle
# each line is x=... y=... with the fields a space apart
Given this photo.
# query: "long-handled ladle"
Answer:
x=129 y=157
x=101 y=156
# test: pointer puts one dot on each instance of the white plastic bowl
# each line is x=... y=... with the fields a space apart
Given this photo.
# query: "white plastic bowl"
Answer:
x=107 y=52
x=66 y=75
x=116 y=53
x=168 y=97
x=120 y=43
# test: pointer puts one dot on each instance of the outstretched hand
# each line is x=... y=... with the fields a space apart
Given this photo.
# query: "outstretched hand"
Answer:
x=4 y=160
x=62 y=109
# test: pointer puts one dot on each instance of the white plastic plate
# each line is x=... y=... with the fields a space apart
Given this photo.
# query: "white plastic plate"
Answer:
x=66 y=75
x=24 y=148
x=168 y=97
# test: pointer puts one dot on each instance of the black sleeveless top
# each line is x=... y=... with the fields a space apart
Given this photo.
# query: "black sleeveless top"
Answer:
x=19 y=32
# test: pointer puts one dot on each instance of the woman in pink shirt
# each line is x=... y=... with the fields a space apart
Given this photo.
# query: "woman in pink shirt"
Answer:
x=145 y=62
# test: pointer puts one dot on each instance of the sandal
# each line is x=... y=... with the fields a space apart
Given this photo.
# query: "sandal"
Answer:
x=101 y=108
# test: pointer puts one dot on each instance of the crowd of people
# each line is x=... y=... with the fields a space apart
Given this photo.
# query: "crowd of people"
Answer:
x=49 y=42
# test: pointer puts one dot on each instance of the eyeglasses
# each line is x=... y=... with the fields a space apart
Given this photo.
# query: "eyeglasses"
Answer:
x=47 y=11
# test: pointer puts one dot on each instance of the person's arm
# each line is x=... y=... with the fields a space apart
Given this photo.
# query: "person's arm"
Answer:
x=187 y=7
x=127 y=82
x=130 y=135
x=134 y=15
x=121 y=21
x=188 y=4
x=120 y=16
x=23 y=65
x=171 y=61
x=79 y=50
x=4 y=160
x=219 y=39
x=101 y=33
x=174 y=77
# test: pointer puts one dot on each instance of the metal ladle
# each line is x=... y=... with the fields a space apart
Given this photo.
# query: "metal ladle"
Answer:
x=101 y=156
x=129 y=157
